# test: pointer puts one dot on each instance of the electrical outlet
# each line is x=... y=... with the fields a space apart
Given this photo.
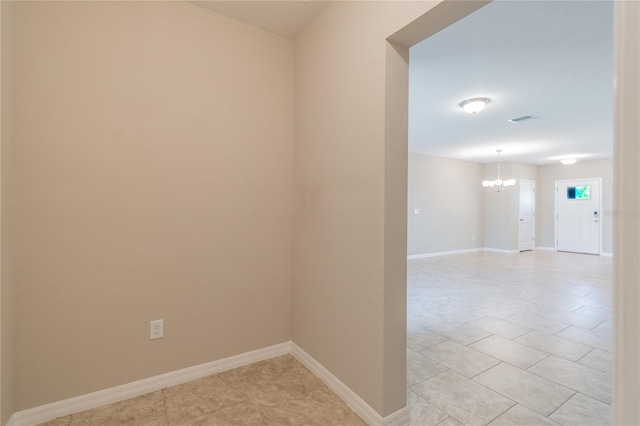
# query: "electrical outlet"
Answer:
x=156 y=329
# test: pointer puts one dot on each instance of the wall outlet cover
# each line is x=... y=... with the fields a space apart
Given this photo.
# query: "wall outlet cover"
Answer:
x=156 y=330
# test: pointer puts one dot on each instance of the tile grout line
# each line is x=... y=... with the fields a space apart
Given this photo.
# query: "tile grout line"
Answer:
x=517 y=337
x=445 y=419
x=578 y=308
x=435 y=405
x=582 y=357
x=562 y=405
x=499 y=393
x=477 y=341
x=567 y=387
x=515 y=403
x=575 y=341
x=531 y=366
x=594 y=328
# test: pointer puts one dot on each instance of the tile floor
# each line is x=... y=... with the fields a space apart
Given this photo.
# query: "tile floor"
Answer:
x=279 y=391
x=510 y=339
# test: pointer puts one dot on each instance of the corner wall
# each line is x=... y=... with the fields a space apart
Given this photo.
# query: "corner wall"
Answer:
x=346 y=290
x=7 y=281
x=153 y=180
x=626 y=365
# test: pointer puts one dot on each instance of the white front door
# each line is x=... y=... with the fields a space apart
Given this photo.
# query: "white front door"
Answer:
x=578 y=215
x=526 y=228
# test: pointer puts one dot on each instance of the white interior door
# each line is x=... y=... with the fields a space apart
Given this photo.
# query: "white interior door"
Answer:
x=578 y=215
x=527 y=224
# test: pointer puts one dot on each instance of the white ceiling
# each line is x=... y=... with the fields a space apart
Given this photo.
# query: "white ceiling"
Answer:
x=550 y=59
x=286 y=18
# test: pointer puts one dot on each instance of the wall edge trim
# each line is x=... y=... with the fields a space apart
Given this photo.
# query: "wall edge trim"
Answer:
x=399 y=418
x=443 y=253
x=495 y=250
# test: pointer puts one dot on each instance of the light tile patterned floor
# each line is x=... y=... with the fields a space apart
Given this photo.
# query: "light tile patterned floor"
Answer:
x=510 y=339
x=279 y=391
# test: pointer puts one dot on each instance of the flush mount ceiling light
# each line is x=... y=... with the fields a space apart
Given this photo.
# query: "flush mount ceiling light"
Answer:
x=474 y=105
x=568 y=160
x=498 y=185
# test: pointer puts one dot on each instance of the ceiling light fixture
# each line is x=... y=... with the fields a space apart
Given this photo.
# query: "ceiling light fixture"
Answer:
x=474 y=105
x=568 y=161
x=498 y=185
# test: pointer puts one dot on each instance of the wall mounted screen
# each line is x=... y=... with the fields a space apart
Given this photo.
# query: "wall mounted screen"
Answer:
x=579 y=192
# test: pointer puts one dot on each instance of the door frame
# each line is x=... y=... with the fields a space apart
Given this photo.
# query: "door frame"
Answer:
x=555 y=213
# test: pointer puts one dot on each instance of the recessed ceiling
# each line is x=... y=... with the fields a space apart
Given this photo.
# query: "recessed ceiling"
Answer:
x=286 y=18
x=549 y=59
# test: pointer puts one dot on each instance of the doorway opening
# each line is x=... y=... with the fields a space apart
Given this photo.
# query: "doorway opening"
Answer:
x=476 y=334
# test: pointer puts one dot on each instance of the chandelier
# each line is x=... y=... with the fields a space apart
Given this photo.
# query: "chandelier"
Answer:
x=498 y=184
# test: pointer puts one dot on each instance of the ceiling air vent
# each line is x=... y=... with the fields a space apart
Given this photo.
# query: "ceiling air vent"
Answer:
x=522 y=119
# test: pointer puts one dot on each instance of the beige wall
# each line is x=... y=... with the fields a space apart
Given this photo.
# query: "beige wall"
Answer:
x=153 y=179
x=501 y=209
x=7 y=298
x=342 y=166
x=450 y=197
x=626 y=374
x=549 y=174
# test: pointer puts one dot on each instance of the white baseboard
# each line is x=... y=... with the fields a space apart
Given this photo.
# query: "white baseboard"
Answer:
x=494 y=250
x=357 y=404
x=443 y=253
x=399 y=418
x=474 y=250
x=606 y=254
x=44 y=413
